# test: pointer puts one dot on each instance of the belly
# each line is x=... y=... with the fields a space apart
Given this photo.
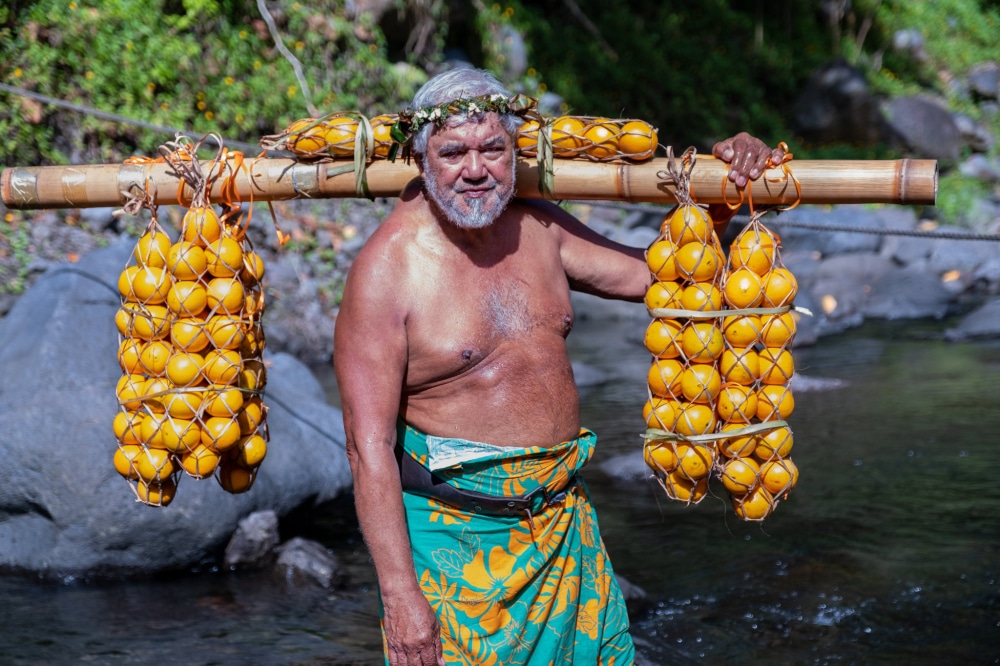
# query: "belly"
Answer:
x=520 y=395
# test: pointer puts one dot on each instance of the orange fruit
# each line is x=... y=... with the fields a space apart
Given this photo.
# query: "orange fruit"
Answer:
x=154 y=392
x=184 y=368
x=779 y=476
x=663 y=295
x=601 y=139
x=151 y=322
x=304 y=137
x=222 y=366
x=201 y=225
x=661 y=260
x=225 y=332
x=737 y=446
x=189 y=334
x=200 y=461
x=180 y=435
x=637 y=140
x=153 y=465
x=694 y=461
x=154 y=356
x=776 y=365
x=736 y=403
x=183 y=404
x=743 y=289
x=126 y=427
x=755 y=248
x=123 y=320
x=691 y=224
x=223 y=401
x=701 y=297
x=253 y=376
x=776 y=443
x=774 y=402
x=660 y=413
x=149 y=286
x=186 y=261
x=250 y=451
x=125 y=279
x=680 y=488
x=224 y=257
x=741 y=330
x=225 y=295
x=152 y=249
x=157 y=494
x=253 y=305
x=220 y=433
x=777 y=330
x=123 y=459
x=253 y=268
x=129 y=391
x=527 y=138
x=741 y=366
x=659 y=455
x=701 y=383
x=780 y=287
x=382 y=133
x=251 y=417
x=235 y=478
x=695 y=419
x=187 y=299
x=338 y=133
x=755 y=505
x=253 y=342
x=739 y=475
x=664 y=378
x=662 y=338
x=702 y=342
x=566 y=133
x=698 y=262
x=130 y=355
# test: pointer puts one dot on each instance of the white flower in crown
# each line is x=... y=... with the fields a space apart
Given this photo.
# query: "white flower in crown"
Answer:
x=435 y=114
x=473 y=109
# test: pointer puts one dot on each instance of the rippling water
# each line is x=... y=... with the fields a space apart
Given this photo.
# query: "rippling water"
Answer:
x=887 y=551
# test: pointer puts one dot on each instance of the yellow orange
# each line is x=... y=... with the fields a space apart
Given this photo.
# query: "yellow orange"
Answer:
x=779 y=476
x=661 y=260
x=250 y=451
x=129 y=391
x=701 y=383
x=755 y=505
x=123 y=319
x=778 y=330
x=187 y=299
x=151 y=322
x=184 y=368
x=130 y=355
x=183 y=404
x=780 y=287
x=695 y=419
x=680 y=488
x=637 y=140
x=225 y=295
x=180 y=435
x=736 y=403
x=776 y=443
x=754 y=249
x=157 y=494
x=225 y=332
x=698 y=262
x=664 y=378
x=739 y=475
x=152 y=249
x=382 y=133
x=701 y=297
x=223 y=401
x=253 y=268
x=201 y=225
x=660 y=413
x=154 y=392
x=224 y=257
x=601 y=139
x=304 y=137
x=776 y=365
x=743 y=289
x=694 y=461
x=234 y=478
x=774 y=402
x=149 y=286
x=154 y=356
x=741 y=366
x=566 y=136
x=220 y=433
x=339 y=134
x=126 y=426
x=222 y=366
x=663 y=295
x=736 y=446
x=662 y=338
x=253 y=377
x=702 y=341
x=186 y=261
x=153 y=465
x=123 y=459
x=527 y=138
x=200 y=461
x=251 y=417
x=659 y=455
x=188 y=334
x=691 y=224
x=741 y=330
x=125 y=279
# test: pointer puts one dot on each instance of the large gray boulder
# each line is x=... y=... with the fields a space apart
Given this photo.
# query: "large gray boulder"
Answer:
x=63 y=508
x=926 y=127
x=983 y=322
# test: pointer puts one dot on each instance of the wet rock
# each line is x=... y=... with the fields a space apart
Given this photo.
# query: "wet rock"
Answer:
x=926 y=127
x=254 y=542
x=962 y=262
x=836 y=105
x=301 y=561
x=980 y=167
x=63 y=508
x=984 y=80
x=976 y=137
x=828 y=242
x=907 y=293
x=636 y=599
x=984 y=322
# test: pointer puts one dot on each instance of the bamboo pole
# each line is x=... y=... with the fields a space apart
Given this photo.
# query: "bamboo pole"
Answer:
x=905 y=181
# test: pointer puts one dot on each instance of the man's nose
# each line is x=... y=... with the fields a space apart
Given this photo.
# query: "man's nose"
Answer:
x=475 y=167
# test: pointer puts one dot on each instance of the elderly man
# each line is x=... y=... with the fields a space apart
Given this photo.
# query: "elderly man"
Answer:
x=462 y=417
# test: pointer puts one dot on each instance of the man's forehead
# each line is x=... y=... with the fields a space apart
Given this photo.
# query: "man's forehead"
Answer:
x=480 y=128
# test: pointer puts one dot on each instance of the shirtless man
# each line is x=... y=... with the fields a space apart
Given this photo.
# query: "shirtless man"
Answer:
x=454 y=322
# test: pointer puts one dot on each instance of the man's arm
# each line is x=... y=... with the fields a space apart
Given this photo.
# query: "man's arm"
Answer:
x=370 y=354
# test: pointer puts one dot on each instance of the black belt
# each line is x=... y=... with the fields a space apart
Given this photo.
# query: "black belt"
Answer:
x=417 y=479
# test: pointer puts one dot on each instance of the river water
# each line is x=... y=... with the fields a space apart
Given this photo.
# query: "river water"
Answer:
x=887 y=552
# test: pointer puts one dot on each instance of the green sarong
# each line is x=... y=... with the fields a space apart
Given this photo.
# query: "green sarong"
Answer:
x=533 y=589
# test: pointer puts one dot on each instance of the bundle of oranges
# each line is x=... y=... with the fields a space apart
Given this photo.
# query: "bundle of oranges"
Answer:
x=191 y=348
x=595 y=139
x=718 y=384
x=333 y=135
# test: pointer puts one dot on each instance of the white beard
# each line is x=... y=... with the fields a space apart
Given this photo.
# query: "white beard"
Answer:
x=467 y=213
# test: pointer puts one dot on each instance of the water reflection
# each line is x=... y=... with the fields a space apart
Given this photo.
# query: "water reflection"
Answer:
x=886 y=551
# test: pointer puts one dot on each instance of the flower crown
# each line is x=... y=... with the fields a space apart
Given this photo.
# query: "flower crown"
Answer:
x=410 y=121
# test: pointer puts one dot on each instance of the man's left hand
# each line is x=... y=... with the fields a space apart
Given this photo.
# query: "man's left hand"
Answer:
x=747 y=157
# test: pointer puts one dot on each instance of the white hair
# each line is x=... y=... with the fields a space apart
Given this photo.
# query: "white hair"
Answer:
x=460 y=83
